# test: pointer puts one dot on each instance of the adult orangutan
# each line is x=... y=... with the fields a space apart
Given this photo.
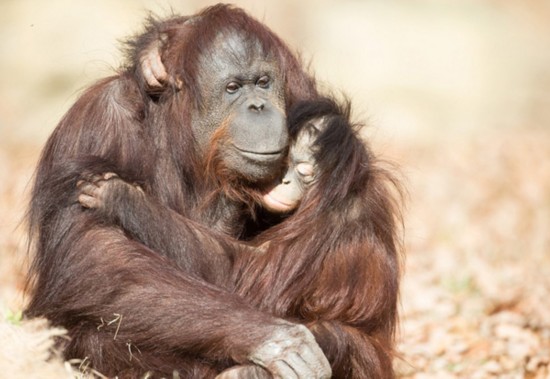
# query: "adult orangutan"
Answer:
x=204 y=151
x=332 y=265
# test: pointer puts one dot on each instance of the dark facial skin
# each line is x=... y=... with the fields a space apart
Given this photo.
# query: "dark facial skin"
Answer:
x=245 y=101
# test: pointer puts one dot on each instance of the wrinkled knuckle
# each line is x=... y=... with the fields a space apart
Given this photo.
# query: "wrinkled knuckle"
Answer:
x=301 y=331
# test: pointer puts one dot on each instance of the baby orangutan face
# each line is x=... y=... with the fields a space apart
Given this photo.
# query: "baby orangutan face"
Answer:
x=286 y=195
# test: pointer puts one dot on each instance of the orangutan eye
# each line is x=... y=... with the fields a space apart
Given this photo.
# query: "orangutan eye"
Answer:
x=232 y=87
x=263 y=82
x=306 y=172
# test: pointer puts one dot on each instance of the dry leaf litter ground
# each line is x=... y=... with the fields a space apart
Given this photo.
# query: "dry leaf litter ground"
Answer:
x=477 y=280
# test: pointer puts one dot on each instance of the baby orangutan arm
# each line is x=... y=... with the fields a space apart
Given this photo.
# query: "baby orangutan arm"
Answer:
x=116 y=200
x=111 y=197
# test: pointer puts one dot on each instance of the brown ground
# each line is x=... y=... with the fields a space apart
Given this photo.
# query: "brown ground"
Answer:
x=477 y=275
x=458 y=96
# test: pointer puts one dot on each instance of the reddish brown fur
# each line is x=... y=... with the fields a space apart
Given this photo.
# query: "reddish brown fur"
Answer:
x=85 y=273
x=334 y=264
x=152 y=299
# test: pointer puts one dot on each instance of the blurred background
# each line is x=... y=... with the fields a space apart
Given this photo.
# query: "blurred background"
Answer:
x=457 y=93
